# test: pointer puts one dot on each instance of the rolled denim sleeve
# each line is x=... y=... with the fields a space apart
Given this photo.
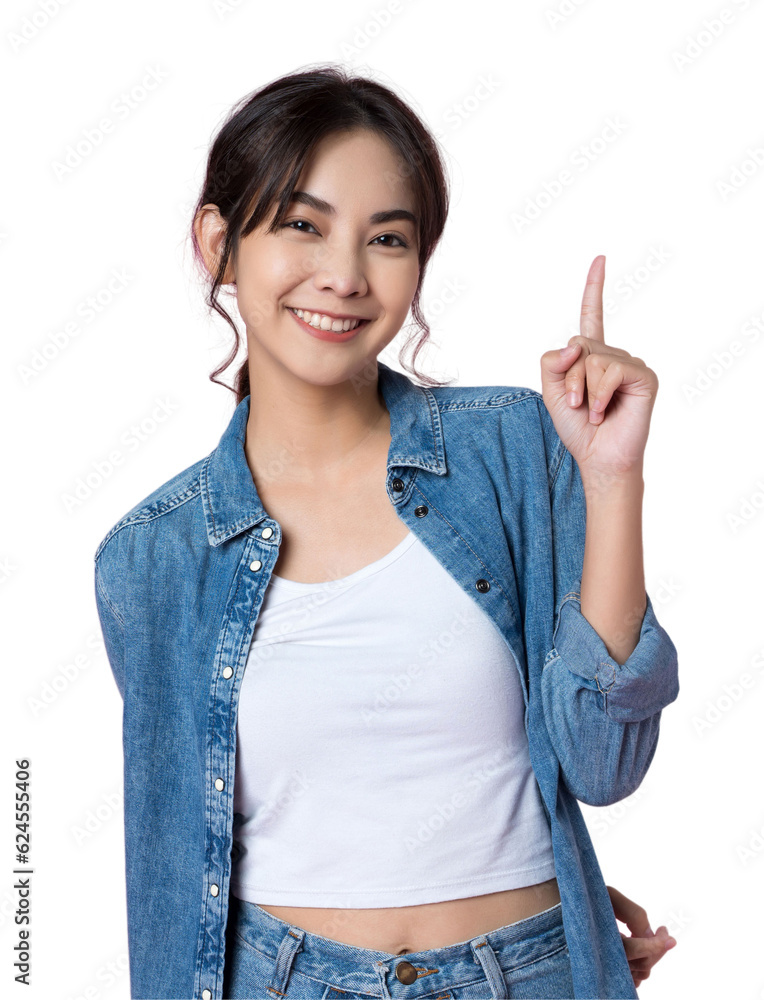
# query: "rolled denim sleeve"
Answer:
x=603 y=717
x=112 y=629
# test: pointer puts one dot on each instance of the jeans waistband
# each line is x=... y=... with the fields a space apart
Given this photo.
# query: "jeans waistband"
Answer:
x=362 y=970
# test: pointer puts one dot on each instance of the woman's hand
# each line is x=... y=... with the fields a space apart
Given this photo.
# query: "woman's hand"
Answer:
x=644 y=948
x=605 y=425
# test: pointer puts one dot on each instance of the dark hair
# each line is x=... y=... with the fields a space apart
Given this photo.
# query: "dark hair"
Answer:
x=261 y=148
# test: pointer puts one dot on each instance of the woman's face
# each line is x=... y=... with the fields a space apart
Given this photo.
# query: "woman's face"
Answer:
x=332 y=258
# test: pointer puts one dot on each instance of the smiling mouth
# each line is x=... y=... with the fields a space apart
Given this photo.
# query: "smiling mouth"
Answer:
x=320 y=321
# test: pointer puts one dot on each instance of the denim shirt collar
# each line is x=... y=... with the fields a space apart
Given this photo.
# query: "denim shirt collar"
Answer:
x=230 y=499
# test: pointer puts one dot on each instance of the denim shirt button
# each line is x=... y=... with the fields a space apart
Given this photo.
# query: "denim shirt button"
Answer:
x=483 y=586
x=214 y=889
x=255 y=565
x=267 y=532
x=398 y=485
x=219 y=784
x=206 y=994
x=227 y=672
x=421 y=511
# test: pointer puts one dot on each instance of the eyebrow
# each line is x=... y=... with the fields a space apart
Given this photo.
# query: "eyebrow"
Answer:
x=393 y=215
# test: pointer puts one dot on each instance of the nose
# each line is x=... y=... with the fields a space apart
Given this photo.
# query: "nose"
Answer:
x=339 y=269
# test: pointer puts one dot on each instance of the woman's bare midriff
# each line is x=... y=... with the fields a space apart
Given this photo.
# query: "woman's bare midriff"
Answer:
x=399 y=930
x=319 y=543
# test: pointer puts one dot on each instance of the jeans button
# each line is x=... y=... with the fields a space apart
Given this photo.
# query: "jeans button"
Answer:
x=406 y=973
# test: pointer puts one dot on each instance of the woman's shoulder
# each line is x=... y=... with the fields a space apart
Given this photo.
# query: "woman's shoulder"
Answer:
x=516 y=413
x=471 y=397
x=180 y=488
x=517 y=407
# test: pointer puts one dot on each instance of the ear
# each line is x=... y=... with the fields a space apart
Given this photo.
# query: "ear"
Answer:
x=210 y=231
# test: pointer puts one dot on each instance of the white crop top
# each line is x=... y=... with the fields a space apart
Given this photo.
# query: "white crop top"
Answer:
x=382 y=758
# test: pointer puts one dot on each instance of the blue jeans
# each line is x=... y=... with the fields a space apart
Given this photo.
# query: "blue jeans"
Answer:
x=267 y=957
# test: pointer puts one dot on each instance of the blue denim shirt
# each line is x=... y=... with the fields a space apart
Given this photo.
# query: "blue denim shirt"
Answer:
x=482 y=479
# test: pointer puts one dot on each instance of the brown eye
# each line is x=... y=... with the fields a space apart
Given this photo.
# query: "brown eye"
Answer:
x=296 y=222
x=393 y=236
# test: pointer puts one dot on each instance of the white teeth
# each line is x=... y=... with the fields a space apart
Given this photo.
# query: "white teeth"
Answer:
x=320 y=322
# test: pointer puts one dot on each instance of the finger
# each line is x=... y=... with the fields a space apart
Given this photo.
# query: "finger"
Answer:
x=602 y=380
x=555 y=365
x=591 y=305
x=575 y=381
x=647 y=949
x=663 y=935
x=629 y=912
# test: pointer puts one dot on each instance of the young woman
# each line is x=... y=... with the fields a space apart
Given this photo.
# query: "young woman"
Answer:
x=377 y=644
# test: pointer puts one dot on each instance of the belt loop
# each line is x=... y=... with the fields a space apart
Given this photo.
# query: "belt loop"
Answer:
x=288 y=948
x=485 y=954
x=381 y=969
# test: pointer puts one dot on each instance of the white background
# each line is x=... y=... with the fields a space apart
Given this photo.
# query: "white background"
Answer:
x=678 y=184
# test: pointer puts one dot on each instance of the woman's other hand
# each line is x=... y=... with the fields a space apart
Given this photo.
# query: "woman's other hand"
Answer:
x=644 y=947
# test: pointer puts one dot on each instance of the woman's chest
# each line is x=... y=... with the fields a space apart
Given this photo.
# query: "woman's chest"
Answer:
x=333 y=530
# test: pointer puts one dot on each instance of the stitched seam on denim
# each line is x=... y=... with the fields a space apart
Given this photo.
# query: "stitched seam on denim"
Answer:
x=541 y=958
x=604 y=663
x=435 y=422
x=557 y=462
x=138 y=518
x=232 y=599
x=204 y=475
x=208 y=806
x=293 y=971
x=493 y=402
x=117 y=615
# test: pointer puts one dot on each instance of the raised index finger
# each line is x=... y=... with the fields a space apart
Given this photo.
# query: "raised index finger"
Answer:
x=591 y=307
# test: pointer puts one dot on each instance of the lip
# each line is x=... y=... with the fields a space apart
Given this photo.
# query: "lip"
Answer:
x=327 y=334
